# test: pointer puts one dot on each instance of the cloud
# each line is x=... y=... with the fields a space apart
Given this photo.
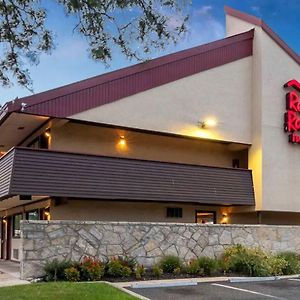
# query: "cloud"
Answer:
x=204 y=10
x=256 y=9
x=203 y=27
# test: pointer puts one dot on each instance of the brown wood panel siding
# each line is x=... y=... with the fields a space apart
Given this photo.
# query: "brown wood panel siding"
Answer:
x=38 y=172
x=6 y=166
x=86 y=94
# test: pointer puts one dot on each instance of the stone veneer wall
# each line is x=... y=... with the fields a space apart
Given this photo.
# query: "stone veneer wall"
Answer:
x=147 y=242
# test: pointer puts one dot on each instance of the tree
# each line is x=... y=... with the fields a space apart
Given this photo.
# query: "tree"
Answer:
x=136 y=27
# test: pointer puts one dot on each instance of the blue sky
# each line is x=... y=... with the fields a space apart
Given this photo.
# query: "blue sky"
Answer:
x=70 y=61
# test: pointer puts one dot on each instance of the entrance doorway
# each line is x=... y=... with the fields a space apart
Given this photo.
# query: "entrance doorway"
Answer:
x=205 y=217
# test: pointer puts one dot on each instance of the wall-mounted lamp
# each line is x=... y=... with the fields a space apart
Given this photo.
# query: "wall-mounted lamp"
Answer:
x=47 y=213
x=209 y=123
x=4 y=220
x=47 y=133
x=224 y=218
x=122 y=141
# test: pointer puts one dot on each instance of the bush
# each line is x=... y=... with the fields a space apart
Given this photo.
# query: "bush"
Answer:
x=193 y=268
x=126 y=272
x=292 y=262
x=91 y=269
x=169 y=263
x=208 y=265
x=157 y=271
x=251 y=262
x=120 y=267
x=55 y=269
x=177 y=271
x=139 y=271
x=277 y=265
x=72 y=274
x=127 y=262
x=114 y=268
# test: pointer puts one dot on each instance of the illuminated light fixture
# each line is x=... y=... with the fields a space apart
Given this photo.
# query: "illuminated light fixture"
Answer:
x=47 y=134
x=4 y=220
x=122 y=140
x=209 y=123
x=47 y=215
x=224 y=218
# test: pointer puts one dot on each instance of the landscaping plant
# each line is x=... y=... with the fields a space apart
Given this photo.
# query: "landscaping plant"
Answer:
x=91 y=269
x=208 y=265
x=169 y=263
x=139 y=271
x=292 y=262
x=55 y=269
x=193 y=268
x=72 y=274
x=157 y=271
x=120 y=267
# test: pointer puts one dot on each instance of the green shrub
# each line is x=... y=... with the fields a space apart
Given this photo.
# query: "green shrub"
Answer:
x=251 y=262
x=91 y=269
x=114 y=268
x=72 y=274
x=127 y=261
x=193 y=268
x=139 y=271
x=208 y=265
x=277 y=265
x=177 y=271
x=121 y=266
x=169 y=263
x=126 y=271
x=55 y=269
x=293 y=262
x=157 y=271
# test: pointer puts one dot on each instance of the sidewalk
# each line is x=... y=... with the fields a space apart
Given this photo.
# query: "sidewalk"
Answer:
x=10 y=274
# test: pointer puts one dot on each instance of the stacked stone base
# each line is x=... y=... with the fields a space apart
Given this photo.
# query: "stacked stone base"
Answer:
x=44 y=241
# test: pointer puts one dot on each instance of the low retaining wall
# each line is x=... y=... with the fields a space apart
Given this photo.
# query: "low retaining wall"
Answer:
x=45 y=240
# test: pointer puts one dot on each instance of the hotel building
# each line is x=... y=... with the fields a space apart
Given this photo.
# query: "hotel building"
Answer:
x=206 y=135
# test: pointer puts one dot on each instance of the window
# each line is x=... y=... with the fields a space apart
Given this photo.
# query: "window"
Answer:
x=235 y=163
x=32 y=215
x=174 y=212
x=205 y=217
x=16 y=225
x=41 y=142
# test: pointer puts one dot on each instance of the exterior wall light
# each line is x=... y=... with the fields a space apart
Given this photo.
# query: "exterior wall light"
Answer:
x=209 y=123
x=4 y=220
x=224 y=218
x=47 y=134
x=47 y=215
x=122 y=141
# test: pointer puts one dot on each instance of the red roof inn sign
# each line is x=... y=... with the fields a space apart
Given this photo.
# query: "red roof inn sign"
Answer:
x=292 y=117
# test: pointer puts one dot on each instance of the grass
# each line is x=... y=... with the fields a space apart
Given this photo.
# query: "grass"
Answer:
x=63 y=291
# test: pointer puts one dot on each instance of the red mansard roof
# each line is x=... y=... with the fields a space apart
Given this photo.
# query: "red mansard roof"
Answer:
x=96 y=91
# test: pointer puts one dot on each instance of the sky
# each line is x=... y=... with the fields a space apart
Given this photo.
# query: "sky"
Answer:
x=70 y=62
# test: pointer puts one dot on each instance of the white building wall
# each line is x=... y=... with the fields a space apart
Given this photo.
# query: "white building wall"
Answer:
x=275 y=161
x=222 y=93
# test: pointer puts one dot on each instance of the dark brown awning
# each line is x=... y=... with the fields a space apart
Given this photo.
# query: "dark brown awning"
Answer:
x=26 y=171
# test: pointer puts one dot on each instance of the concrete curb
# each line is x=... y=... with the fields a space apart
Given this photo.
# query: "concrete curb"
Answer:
x=258 y=279
x=167 y=281
x=194 y=281
x=162 y=284
x=126 y=291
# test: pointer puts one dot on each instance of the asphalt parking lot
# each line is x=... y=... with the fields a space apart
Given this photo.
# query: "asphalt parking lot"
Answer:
x=288 y=289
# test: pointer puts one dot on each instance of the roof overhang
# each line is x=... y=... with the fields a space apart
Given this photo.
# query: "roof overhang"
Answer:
x=15 y=127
